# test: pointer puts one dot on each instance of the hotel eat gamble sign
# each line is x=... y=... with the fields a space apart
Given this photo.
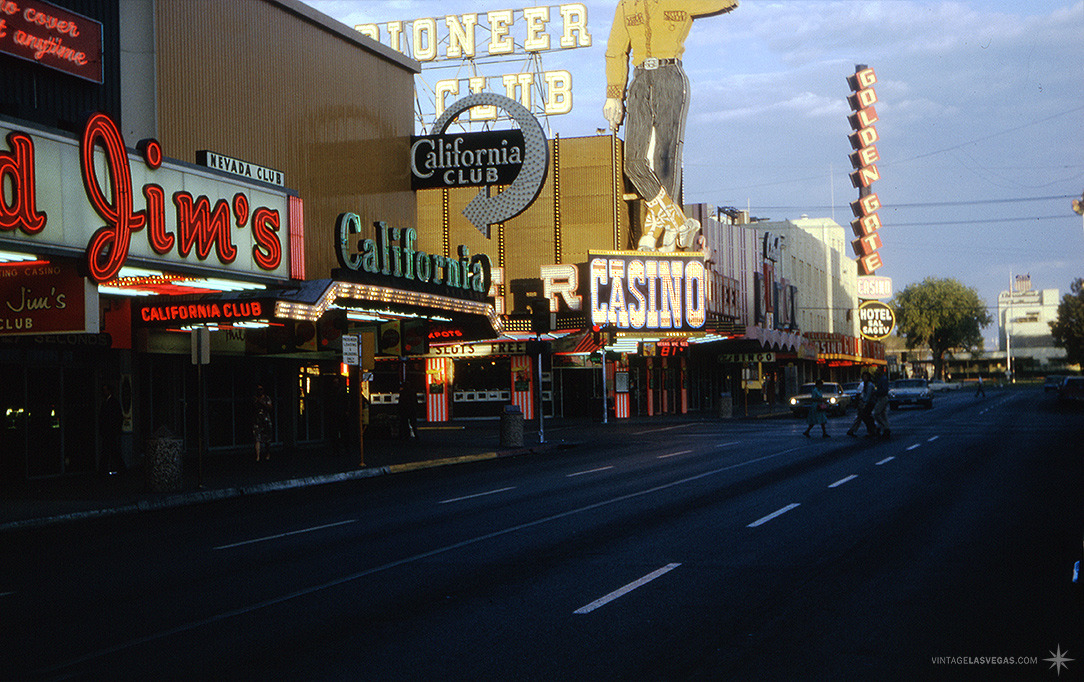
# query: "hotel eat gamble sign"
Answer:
x=134 y=205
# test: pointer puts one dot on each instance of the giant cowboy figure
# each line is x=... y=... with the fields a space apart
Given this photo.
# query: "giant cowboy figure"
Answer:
x=654 y=31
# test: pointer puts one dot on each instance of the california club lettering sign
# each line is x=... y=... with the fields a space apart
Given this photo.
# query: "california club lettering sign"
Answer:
x=466 y=160
x=134 y=205
x=53 y=37
x=393 y=258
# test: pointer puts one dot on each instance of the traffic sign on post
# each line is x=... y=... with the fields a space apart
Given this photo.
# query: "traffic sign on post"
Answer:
x=351 y=357
x=201 y=346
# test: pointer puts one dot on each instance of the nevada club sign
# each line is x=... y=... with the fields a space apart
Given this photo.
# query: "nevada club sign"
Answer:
x=134 y=205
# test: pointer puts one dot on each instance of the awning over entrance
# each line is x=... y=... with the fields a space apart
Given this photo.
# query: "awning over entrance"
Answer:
x=308 y=301
x=776 y=339
x=312 y=299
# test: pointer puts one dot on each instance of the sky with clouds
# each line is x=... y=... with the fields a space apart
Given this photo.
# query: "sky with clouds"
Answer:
x=981 y=109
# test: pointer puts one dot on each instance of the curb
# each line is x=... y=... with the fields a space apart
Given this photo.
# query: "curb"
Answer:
x=199 y=497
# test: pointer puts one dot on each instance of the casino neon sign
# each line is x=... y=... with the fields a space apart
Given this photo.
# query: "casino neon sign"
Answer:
x=634 y=291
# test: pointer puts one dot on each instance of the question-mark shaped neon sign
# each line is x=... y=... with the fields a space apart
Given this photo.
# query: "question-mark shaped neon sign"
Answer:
x=485 y=210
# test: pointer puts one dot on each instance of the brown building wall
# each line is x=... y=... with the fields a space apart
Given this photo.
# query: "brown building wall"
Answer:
x=260 y=80
x=580 y=208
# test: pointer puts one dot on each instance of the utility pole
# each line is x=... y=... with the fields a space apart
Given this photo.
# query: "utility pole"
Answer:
x=1078 y=205
x=1008 y=342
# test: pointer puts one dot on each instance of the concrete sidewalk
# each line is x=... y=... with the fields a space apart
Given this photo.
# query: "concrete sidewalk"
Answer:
x=41 y=502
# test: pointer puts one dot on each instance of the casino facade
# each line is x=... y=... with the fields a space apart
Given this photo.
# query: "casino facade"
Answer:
x=182 y=222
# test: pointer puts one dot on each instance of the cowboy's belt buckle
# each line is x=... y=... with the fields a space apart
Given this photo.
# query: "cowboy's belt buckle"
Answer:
x=651 y=63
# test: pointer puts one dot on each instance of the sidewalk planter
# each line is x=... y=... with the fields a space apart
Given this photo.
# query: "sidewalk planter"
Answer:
x=512 y=427
x=164 y=471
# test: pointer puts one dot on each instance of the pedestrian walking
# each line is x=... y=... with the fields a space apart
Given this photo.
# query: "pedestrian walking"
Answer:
x=261 y=423
x=880 y=407
x=864 y=408
x=110 y=421
x=980 y=391
x=818 y=411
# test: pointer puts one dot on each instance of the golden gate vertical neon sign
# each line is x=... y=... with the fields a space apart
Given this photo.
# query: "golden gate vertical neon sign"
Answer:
x=867 y=223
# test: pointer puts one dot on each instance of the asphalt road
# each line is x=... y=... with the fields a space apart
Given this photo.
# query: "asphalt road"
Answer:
x=699 y=551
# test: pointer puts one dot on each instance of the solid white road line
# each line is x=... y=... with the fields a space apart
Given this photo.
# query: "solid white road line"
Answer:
x=916 y=445
x=471 y=497
x=675 y=454
x=625 y=590
x=843 y=480
x=886 y=460
x=284 y=535
x=769 y=517
x=590 y=471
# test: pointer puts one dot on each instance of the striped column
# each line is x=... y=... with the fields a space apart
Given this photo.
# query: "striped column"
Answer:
x=523 y=385
x=436 y=404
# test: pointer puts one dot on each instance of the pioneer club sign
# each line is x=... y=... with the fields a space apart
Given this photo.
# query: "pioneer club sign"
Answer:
x=134 y=205
x=864 y=139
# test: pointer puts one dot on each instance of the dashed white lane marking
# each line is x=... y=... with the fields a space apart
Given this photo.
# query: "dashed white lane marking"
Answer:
x=886 y=460
x=724 y=445
x=471 y=497
x=843 y=480
x=6 y=594
x=285 y=535
x=774 y=514
x=589 y=471
x=625 y=590
x=675 y=454
x=916 y=445
x=664 y=428
x=932 y=439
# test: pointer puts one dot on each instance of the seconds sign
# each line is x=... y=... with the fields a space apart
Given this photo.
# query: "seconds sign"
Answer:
x=876 y=320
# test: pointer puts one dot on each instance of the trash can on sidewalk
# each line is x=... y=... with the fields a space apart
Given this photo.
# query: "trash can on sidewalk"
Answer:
x=726 y=406
x=163 y=465
x=512 y=427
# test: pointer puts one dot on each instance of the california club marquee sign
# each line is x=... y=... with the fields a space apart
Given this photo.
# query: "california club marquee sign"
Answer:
x=134 y=205
x=520 y=157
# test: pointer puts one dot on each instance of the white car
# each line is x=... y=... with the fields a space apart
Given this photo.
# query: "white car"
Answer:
x=944 y=386
x=910 y=392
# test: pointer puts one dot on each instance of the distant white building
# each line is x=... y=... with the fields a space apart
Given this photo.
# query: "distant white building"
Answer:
x=1024 y=318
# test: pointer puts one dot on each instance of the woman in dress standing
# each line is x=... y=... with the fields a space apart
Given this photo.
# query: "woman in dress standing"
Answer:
x=261 y=423
x=818 y=410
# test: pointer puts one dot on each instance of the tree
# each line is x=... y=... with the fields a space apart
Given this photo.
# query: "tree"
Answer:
x=941 y=314
x=1068 y=329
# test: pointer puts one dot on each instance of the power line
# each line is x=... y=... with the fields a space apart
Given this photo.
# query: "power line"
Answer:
x=931 y=204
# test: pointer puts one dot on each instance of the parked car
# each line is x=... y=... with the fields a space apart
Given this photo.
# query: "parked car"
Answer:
x=837 y=400
x=1071 y=390
x=910 y=392
x=1053 y=383
x=939 y=386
